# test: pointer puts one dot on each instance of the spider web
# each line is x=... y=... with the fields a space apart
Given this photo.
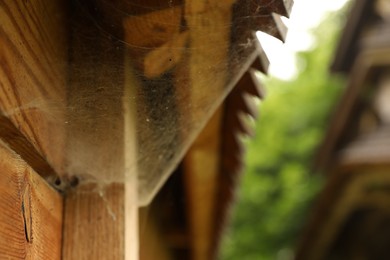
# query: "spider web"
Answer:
x=144 y=78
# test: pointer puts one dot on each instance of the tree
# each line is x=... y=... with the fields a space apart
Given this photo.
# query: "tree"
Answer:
x=278 y=187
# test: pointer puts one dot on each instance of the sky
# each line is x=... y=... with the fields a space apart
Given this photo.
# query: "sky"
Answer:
x=305 y=15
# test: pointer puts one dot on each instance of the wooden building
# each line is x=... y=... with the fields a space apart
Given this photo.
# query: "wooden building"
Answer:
x=351 y=217
x=100 y=102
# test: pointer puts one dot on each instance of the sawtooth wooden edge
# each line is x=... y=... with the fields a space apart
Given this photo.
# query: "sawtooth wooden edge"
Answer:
x=282 y=7
x=271 y=24
x=258 y=16
x=260 y=60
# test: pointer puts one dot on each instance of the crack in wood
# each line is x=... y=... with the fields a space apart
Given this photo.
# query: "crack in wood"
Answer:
x=26 y=213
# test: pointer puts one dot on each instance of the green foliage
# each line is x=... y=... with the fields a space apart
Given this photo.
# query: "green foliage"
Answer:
x=278 y=187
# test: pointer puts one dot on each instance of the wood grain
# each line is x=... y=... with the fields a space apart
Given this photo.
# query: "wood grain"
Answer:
x=101 y=222
x=209 y=36
x=94 y=223
x=33 y=56
x=31 y=212
x=100 y=219
x=18 y=142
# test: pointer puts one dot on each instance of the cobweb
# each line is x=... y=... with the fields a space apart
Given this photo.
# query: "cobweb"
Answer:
x=144 y=78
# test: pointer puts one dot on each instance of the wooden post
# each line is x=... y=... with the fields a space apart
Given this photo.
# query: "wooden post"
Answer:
x=101 y=214
x=30 y=211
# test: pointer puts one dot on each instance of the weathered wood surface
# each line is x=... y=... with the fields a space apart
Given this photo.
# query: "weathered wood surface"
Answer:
x=30 y=212
x=100 y=219
x=33 y=56
x=18 y=142
x=94 y=223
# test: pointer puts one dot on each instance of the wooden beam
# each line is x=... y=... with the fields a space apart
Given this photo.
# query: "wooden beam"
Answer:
x=201 y=170
x=101 y=213
x=208 y=63
x=30 y=211
x=18 y=142
x=153 y=243
x=94 y=223
x=33 y=73
x=160 y=50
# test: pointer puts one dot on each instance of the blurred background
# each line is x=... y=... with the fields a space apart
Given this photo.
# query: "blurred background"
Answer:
x=278 y=185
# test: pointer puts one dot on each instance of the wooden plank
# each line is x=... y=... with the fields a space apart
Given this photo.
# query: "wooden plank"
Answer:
x=31 y=212
x=94 y=223
x=202 y=164
x=208 y=63
x=100 y=219
x=18 y=142
x=153 y=243
x=33 y=55
x=209 y=37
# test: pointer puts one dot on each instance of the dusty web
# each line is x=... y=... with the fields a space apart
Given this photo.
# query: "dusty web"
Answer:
x=144 y=78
